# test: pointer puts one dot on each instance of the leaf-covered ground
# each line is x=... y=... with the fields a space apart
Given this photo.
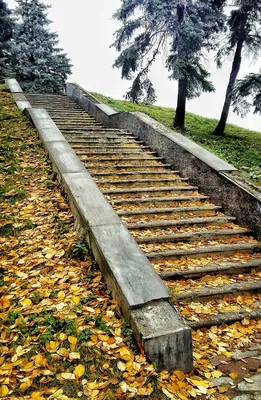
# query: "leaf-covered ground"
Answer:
x=61 y=333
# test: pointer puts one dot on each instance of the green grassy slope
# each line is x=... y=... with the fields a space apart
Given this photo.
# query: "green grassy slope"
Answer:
x=240 y=147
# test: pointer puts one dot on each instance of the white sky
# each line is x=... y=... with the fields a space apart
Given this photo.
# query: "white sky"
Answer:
x=85 y=29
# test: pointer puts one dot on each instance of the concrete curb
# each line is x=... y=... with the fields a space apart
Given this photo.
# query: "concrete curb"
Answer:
x=212 y=175
x=140 y=292
x=18 y=95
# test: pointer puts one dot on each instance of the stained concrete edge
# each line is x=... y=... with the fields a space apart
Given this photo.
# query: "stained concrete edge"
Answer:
x=125 y=268
x=13 y=85
x=189 y=145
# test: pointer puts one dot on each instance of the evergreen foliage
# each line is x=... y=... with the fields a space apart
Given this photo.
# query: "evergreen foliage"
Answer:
x=247 y=94
x=181 y=29
x=38 y=64
x=5 y=36
x=244 y=37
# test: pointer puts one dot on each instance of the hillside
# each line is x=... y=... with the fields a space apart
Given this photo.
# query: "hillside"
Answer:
x=240 y=147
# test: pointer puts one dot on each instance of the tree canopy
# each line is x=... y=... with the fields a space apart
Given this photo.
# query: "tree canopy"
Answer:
x=6 y=27
x=38 y=63
x=181 y=30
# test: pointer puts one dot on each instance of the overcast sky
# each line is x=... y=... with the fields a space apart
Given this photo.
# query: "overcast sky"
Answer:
x=85 y=29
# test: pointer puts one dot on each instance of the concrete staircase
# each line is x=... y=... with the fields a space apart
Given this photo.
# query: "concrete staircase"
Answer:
x=210 y=264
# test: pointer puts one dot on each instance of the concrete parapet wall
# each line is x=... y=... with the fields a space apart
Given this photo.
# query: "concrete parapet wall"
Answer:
x=139 y=290
x=212 y=175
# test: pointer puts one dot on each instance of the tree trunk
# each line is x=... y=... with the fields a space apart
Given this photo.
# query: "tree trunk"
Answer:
x=179 y=121
x=220 y=129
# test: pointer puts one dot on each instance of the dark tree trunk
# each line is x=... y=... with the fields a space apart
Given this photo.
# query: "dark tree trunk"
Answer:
x=220 y=129
x=179 y=121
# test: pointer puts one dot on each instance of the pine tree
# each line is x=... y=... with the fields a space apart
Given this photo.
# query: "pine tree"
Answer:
x=179 y=28
x=244 y=34
x=39 y=65
x=6 y=26
x=247 y=94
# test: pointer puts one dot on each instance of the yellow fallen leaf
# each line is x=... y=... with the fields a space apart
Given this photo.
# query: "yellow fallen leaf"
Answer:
x=180 y=375
x=216 y=374
x=61 y=295
x=40 y=360
x=3 y=390
x=94 y=394
x=26 y=302
x=52 y=347
x=75 y=300
x=25 y=384
x=67 y=376
x=121 y=366
x=79 y=371
x=74 y=356
x=167 y=393
x=248 y=380
x=222 y=389
x=72 y=341
x=233 y=375
x=125 y=354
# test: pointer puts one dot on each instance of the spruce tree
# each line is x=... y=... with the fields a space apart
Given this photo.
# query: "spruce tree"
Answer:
x=39 y=65
x=244 y=36
x=247 y=94
x=181 y=29
x=6 y=26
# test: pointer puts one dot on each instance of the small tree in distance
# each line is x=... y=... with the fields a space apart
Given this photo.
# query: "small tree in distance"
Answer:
x=247 y=94
x=38 y=64
x=6 y=26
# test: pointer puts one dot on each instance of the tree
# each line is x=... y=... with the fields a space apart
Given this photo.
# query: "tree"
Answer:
x=244 y=34
x=39 y=65
x=6 y=26
x=180 y=29
x=247 y=94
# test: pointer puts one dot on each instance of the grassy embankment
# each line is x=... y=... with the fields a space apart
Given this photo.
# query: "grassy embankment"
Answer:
x=240 y=147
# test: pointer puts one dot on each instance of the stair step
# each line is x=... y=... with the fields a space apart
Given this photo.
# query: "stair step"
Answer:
x=160 y=199
x=128 y=166
x=249 y=285
x=228 y=268
x=118 y=153
x=191 y=236
x=150 y=189
x=121 y=181
x=225 y=318
x=179 y=222
x=173 y=210
x=134 y=173
x=200 y=250
x=78 y=144
x=84 y=157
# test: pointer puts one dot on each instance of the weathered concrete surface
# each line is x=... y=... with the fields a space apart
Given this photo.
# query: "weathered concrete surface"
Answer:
x=163 y=335
x=120 y=256
x=212 y=175
x=46 y=128
x=254 y=386
x=125 y=268
x=13 y=85
x=21 y=101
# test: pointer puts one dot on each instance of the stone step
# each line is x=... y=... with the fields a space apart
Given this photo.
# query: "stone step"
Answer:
x=118 y=153
x=191 y=236
x=81 y=119
x=150 y=189
x=160 y=199
x=131 y=181
x=228 y=268
x=134 y=173
x=77 y=144
x=84 y=157
x=76 y=128
x=180 y=222
x=103 y=137
x=128 y=166
x=223 y=249
x=249 y=285
x=173 y=210
x=225 y=318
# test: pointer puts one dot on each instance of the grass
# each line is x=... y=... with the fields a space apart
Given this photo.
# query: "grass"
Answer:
x=240 y=147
